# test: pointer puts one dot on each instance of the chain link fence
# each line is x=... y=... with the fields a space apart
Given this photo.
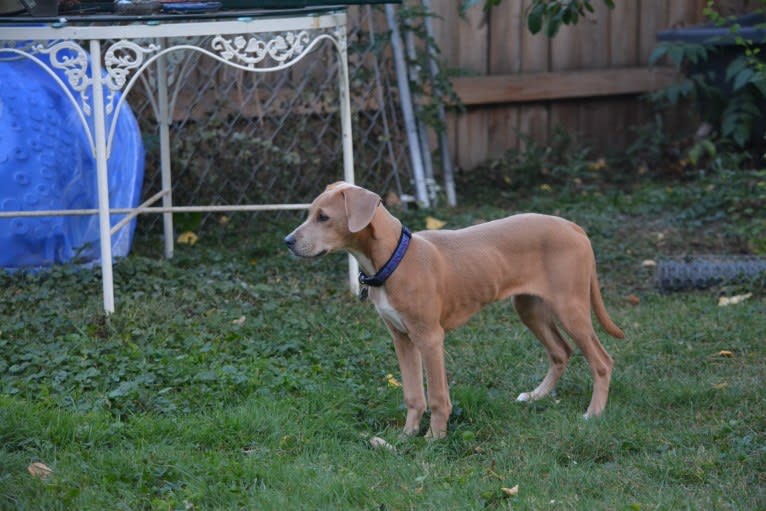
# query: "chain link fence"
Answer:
x=239 y=137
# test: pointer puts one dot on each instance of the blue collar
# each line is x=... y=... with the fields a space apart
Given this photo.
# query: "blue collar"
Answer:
x=382 y=275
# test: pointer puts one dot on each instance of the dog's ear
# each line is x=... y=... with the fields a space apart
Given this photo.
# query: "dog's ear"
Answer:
x=360 y=207
x=334 y=185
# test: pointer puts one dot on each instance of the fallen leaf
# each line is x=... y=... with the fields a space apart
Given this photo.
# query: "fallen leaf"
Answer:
x=599 y=164
x=239 y=320
x=434 y=223
x=725 y=353
x=223 y=220
x=511 y=492
x=546 y=188
x=392 y=382
x=39 y=470
x=648 y=263
x=725 y=301
x=633 y=299
x=379 y=443
x=721 y=385
x=187 y=238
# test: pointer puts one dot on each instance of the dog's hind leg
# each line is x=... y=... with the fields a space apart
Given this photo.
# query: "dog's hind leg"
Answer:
x=577 y=322
x=538 y=317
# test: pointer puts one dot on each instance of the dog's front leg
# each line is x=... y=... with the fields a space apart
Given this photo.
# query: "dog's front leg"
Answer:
x=411 y=367
x=431 y=346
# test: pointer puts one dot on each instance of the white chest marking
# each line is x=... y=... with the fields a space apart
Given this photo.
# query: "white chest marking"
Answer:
x=387 y=312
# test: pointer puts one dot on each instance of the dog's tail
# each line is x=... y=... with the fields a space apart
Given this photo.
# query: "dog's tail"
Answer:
x=600 y=310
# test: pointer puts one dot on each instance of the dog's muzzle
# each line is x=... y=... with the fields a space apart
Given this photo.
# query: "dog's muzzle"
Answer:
x=290 y=241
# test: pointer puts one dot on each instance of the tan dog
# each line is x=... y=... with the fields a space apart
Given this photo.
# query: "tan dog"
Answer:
x=544 y=263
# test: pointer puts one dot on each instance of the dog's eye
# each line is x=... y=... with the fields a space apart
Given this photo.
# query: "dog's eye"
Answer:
x=321 y=217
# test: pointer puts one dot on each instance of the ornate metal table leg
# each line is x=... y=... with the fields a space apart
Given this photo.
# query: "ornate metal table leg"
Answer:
x=99 y=126
x=164 y=121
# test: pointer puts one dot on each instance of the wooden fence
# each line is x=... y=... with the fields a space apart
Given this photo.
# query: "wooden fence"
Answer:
x=587 y=79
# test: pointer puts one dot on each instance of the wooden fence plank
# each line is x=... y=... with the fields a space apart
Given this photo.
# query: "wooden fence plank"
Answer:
x=624 y=52
x=445 y=23
x=505 y=28
x=472 y=55
x=623 y=34
x=653 y=17
x=535 y=51
x=570 y=50
x=531 y=87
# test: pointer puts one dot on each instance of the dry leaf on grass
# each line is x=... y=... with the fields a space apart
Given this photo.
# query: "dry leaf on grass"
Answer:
x=633 y=299
x=187 y=238
x=511 y=492
x=379 y=443
x=725 y=353
x=434 y=223
x=39 y=470
x=725 y=301
x=392 y=381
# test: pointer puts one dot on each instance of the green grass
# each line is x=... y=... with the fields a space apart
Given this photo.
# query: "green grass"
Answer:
x=177 y=402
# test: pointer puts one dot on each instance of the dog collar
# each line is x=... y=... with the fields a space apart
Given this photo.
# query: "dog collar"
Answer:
x=382 y=275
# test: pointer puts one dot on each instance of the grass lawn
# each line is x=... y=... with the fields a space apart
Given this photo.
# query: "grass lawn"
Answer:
x=234 y=377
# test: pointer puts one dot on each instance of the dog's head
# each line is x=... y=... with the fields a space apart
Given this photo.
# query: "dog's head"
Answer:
x=334 y=219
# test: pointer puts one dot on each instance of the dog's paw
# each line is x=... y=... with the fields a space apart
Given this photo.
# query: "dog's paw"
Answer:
x=408 y=433
x=438 y=435
x=524 y=397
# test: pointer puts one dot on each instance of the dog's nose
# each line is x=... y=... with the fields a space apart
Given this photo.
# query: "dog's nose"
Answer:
x=290 y=241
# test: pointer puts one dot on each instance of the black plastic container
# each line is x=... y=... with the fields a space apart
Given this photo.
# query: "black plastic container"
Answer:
x=724 y=48
x=723 y=42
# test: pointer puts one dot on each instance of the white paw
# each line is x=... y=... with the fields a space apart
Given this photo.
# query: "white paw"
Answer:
x=524 y=396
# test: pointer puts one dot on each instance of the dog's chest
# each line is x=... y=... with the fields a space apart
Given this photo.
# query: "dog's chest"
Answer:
x=387 y=311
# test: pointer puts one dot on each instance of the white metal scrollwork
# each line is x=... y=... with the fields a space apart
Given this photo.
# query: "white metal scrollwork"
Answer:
x=122 y=58
x=249 y=52
x=70 y=57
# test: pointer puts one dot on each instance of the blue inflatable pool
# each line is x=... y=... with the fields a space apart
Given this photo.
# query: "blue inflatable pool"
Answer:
x=46 y=163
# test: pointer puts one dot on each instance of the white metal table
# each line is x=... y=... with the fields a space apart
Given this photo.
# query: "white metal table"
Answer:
x=122 y=49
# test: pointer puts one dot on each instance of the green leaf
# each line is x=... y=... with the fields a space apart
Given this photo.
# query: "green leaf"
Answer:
x=535 y=19
x=696 y=53
x=657 y=53
x=760 y=85
x=709 y=147
x=735 y=67
x=465 y=5
x=695 y=153
x=552 y=28
x=677 y=54
x=743 y=78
